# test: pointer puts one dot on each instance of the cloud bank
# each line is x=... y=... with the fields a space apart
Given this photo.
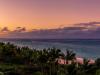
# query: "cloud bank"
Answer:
x=90 y=30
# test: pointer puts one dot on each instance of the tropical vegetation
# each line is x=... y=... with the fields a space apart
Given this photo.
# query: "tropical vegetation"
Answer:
x=16 y=60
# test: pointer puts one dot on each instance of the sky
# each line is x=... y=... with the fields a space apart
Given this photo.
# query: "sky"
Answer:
x=27 y=16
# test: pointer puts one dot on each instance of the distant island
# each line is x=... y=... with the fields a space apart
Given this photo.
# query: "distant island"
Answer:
x=16 y=60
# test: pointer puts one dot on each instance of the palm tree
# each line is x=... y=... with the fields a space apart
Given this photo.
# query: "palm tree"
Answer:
x=53 y=54
x=98 y=63
x=69 y=56
x=86 y=68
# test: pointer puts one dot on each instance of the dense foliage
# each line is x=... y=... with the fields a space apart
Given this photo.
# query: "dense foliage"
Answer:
x=16 y=60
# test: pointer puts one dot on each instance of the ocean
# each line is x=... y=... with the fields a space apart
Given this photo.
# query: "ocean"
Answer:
x=87 y=48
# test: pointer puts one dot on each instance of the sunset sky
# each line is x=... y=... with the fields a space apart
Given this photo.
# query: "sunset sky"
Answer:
x=42 y=14
x=18 y=16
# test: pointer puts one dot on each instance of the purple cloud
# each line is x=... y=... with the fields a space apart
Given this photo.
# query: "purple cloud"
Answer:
x=88 y=24
x=78 y=31
x=19 y=29
x=5 y=29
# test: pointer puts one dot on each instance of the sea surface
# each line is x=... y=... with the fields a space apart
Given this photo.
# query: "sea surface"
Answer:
x=88 y=48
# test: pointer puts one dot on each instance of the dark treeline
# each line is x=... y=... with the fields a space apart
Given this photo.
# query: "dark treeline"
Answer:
x=16 y=60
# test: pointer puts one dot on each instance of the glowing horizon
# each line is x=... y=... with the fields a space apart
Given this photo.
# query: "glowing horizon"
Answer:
x=47 y=14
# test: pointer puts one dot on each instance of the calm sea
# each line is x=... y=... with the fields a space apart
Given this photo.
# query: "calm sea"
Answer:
x=89 y=48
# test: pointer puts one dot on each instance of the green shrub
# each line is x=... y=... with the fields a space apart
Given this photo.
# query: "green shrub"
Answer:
x=1 y=73
x=37 y=73
x=98 y=72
